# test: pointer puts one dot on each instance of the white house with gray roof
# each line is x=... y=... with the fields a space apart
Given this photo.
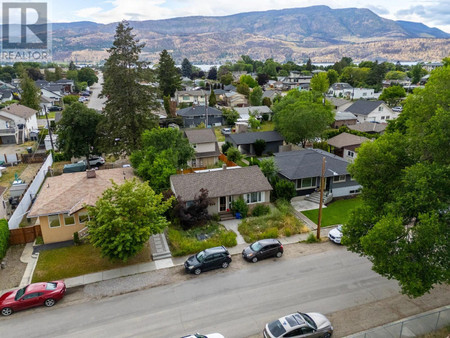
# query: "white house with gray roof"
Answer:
x=343 y=89
x=224 y=186
x=205 y=145
x=372 y=111
x=257 y=111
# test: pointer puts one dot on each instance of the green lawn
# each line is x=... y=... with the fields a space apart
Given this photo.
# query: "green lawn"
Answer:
x=78 y=260
x=335 y=213
x=265 y=126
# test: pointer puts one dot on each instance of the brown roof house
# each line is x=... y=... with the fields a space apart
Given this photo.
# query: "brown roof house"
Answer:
x=61 y=202
x=345 y=145
x=16 y=123
x=224 y=185
x=206 y=148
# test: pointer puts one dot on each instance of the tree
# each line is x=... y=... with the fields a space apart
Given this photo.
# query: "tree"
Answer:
x=233 y=154
x=168 y=75
x=259 y=146
x=395 y=75
x=125 y=217
x=300 y=119
x=266 y=102
x=256 y=96
x=230 y=116
x=58 y=73
x=355 y=76
x=212 y=99
x=333 y=76
x=212 y=74
x=88 y=75
x=129 y=104
x=248 y=80
x=254 y=122
x=416 y=73
x=31 y=93
x=186 y=68
x=262 y=79
x=77 y=131
x=392 y=95
x=226 y=79
x=72 y=66
x=72 y=75
x=308 y=66
x=163 y=151
x=242 y=88
x=268 y=167
x=197 y=211
x=402 y=225
x=34 y=74
x=320 y=82
x=284 y=189
x=226 y=146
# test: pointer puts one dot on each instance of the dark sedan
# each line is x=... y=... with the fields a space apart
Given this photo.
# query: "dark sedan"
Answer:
x=32 y=295
x=55 y=108
x=262 y=249
x=212 y=258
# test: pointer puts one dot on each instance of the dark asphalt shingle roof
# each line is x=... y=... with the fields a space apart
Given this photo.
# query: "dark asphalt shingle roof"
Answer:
x=220 y=182
x=363 y=107
x=308 y=163
x=200 y=135
x=250 y=138
x=199 y=111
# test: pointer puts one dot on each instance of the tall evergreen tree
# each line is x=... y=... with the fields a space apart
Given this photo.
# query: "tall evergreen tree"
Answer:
x=212 y=99
x=212 y=74
x=31 y=93
x=168 y=75
x=309 y=65
x=72 y=66
x=129 y=103
x=186 y=68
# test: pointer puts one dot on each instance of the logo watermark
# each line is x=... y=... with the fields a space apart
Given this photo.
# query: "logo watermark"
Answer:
x=26 y=32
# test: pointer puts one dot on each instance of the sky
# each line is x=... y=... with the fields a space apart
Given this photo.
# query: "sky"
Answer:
x=430 y=13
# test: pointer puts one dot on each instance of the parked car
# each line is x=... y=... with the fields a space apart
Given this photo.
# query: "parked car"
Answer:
x=335 y=235
x=262 y=249
x=299 y=325
x=198 y=335
x=86 y=94
x=209 y=259
x=226 y=131
x=397 y=109
x=32 y=295
x=55 y=108
x=95 y=161
x=82 y=99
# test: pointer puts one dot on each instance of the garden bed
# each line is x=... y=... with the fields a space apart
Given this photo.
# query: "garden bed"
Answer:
x=186 y=242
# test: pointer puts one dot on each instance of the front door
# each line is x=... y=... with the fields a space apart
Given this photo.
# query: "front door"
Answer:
x=223 y=203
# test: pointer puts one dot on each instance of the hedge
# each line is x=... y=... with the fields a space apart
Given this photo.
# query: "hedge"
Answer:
x=4 y=237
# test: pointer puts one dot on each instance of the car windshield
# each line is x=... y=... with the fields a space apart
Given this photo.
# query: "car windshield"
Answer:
x=309 y=320
x=276 y=328
x=20 y=293
x=339 y=228
x=51 y=286
x=256 y=246
x=200 y=256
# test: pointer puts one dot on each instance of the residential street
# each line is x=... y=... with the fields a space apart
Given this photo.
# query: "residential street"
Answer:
x=234 y=302
x=95 y=102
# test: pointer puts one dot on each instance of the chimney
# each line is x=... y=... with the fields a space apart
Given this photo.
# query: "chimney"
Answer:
x=90 y=173
x=224 y=166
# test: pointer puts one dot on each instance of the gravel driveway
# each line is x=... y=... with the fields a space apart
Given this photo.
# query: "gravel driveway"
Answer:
x=11 y=276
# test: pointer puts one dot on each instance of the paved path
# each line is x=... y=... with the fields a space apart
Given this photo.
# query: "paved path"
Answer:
x=95 y=102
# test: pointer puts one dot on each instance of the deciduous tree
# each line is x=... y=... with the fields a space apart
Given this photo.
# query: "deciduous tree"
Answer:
x=31 y=93
x=256 y=96
x=88 y=75
x=320 y=82
x=392 y=95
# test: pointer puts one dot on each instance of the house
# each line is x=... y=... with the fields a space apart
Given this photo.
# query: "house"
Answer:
x=304 y=169
x=343 y=89
x=234 y=99
x=16 y=123
x=345 y=145
x=339 y=104
x=191 y=97
x=237 y=74
x=67 y=85
x=432 y=66
x=245 y=141
x=371 y=111
x=343 y=119
x=258 y=111
x=6 y=95
x=52 y=93
x=369 y=127
x=206 y=147
x=271 y=94
x=193 y=116
x=224 y=185
x=62 y=200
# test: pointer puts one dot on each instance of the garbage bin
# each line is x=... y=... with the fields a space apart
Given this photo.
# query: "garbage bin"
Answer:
x=238 y=215
x=29 y=150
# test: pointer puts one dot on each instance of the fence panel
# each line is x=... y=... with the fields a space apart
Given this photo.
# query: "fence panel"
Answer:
x=24 y=235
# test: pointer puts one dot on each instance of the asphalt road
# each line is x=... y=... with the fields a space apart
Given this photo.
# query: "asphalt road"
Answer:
x=95 y=102
x=236 y=303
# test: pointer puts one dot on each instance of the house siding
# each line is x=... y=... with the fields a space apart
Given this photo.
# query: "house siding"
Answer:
x=215 y=208
x=194 y=121
x=61 y=233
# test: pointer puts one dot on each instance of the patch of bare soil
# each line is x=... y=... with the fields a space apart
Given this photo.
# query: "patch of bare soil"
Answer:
x=12 y=274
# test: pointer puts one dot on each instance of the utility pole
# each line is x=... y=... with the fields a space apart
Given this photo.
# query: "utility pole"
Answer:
x=322 y=183
x=206 y=110
x=49 y=129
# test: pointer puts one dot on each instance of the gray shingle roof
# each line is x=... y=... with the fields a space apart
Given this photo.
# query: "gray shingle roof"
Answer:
x=198 y=111
x=308 y=163
x=226 y=182
x=368 y=127
x=345 y=140
x=200 y=136
x=250 y=138
x=341 y=86
x=344 y=115
x=363 y=107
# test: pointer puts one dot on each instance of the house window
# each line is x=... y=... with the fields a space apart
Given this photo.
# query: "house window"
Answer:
x=338 y=179
x=306 y=183
x=53 y=221
x=186 y=98
x=83 y=217
x=253 y=197
x=364 y=94
x=382 y=117
x=69 y=220
x=350 y=153
x=380 y=108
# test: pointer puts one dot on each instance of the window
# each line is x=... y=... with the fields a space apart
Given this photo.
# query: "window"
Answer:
x=350 y=153
x=53 y=221
x=83 y=217
x=380 y=108
x=364 y=94
x=294 y=333
x=186 y=98
x=306 y=183
x=338 y=179
x=68 y=220
x=32 y=295
x=382 y=117
x=254 y=197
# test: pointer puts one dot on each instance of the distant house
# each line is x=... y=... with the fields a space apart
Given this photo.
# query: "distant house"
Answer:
x=237 y=74
x=369 y=127
x=304 y=169
x=206 y=147
x=196 y=97
x=339 y=104
x=6 y=95
x=224 y=186
x=193 y=116
x=16 y=123
x=344 y=119
x=343 y=89
x=245 y=141
x=432 y=66
x=345 y=144
x=62 y=200
x=371 y=111
x=271 y=94
x=234 y=99
x=259 y=111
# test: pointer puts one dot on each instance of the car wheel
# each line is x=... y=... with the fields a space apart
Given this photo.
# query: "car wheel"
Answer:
x=7 y=311
x=197 y=271
x=49 y=302
x=225 y=265
x=254 y=259
x=279 y=254
x=327 y=335
x=98 y=164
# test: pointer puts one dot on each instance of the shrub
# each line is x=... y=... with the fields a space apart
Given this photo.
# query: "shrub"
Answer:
x=215 y=217
x=260 y=210
x=227 y=145
x=69 y=99
x=239 y=206
x=4 y=237
x=76 y=238
x=259 y=146
x=59 y=157
x=39 y=240
x=233 y=154
x=284 y=189
x=312 y=238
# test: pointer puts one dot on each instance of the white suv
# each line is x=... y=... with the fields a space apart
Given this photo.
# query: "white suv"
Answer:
x=95 y=161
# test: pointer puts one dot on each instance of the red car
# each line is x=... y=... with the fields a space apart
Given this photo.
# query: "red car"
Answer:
x=44 y=293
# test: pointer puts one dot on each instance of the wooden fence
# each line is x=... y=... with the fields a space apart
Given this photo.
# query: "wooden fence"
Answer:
x=33 y=158
x=190 y=170
x=225 y=160
x=24 y=235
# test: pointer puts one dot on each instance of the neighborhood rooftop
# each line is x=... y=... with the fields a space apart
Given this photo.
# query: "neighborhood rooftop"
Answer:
x=200 y=135
x=20 y=110
x=198 y=110
x=345 y=140
x=250 y=138
x=363 y=107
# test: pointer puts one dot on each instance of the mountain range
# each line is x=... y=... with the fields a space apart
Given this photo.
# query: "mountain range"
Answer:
x=318 y=32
